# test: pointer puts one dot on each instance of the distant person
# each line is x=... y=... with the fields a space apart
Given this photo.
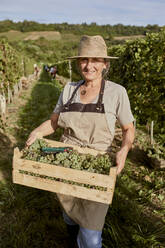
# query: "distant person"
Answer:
x=36 y=70
x=53 y=71
x=46 y=68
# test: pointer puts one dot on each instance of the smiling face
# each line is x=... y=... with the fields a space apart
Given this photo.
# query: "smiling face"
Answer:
x=91 y=68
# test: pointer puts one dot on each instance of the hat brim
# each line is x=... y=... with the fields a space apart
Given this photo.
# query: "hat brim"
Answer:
x=103 y=57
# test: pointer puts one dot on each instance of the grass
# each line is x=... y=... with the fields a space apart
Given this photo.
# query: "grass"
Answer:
x=32 y=218
x=14 y=35
x=131 y=220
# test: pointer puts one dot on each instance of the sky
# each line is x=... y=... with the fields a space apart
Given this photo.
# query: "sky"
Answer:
x=126 y=12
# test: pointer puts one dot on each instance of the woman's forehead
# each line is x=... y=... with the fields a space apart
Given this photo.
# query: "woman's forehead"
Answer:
x=92 y=59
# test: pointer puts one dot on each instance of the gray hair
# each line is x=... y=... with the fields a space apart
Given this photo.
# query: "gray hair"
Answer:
x=105 y=71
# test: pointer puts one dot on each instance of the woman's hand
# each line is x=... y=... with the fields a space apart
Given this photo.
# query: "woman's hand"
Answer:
x=32 y=137
x=46 y=128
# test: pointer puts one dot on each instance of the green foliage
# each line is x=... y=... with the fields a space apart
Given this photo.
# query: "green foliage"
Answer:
x=46 y=51
x=75 y=73
x=28 y=66
x=6 y=25
x=141 y=70
x=63 y=68
x=128 y=222
x=12 y=66
x=155 y=151
x=154 y=154
x=45 y=76
x=79 y=29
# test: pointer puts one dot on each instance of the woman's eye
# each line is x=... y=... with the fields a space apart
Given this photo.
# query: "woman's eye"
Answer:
x=98 y=60
x=83 y=61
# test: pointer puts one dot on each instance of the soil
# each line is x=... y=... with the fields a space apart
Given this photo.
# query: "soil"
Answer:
x=7 y=139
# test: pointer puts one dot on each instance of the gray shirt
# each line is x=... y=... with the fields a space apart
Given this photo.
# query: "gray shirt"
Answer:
x=115 y=100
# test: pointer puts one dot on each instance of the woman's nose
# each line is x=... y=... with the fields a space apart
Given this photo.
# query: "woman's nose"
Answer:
x=89 y=63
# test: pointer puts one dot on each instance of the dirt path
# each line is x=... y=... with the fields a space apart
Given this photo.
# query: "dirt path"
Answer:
x=7 y=138
x=19 y=101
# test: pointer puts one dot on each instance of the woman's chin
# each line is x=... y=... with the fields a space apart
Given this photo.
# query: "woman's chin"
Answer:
x=90 y=77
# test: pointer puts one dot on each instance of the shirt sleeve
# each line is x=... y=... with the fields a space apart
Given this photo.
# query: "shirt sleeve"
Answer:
x=59 y=104
x=124 y=114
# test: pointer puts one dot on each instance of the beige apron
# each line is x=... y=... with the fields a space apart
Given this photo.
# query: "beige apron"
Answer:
x=85 y=125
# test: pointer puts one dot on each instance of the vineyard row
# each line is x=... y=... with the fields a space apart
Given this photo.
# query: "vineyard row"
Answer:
x=12 y=69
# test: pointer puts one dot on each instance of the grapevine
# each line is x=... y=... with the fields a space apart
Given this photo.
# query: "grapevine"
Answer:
x=10 y=66
x=140 y=70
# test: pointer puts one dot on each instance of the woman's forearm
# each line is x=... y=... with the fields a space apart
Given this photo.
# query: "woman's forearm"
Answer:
x=128 y=138
x=46 y=128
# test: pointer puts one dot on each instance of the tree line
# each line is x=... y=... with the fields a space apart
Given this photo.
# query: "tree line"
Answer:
x=108 y=30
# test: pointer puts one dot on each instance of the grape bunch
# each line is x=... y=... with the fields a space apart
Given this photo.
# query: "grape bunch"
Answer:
x=33 y=152
x=97 y=164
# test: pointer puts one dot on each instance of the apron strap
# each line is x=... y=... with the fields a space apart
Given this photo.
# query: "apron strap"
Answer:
x=101 y=93
x=66 y=106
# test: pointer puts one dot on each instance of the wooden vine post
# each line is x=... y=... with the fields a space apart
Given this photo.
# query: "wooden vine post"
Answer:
x=70 y=70
x=151 y=132
x=9 y=94
x=3 y=106
x=23 y=66
x=2 y=102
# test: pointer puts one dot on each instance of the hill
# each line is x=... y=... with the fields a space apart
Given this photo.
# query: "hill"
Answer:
x=14 y=35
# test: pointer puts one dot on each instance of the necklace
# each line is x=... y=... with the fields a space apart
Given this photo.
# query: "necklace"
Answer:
x=83 y=92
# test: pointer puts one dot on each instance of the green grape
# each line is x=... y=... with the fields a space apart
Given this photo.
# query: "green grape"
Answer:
x=75 y=160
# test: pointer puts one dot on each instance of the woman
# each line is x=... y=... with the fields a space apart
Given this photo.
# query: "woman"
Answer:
x=87 y=110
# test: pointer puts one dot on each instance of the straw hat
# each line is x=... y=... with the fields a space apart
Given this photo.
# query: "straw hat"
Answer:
x=92 y=47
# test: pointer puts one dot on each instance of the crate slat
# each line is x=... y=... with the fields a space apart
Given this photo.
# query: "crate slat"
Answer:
x=62 y=188
x=56 y=171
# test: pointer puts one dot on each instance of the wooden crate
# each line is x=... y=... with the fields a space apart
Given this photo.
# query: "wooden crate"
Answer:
x=78 y=176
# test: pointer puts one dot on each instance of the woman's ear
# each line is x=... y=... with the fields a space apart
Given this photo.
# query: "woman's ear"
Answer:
x=106 y=68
